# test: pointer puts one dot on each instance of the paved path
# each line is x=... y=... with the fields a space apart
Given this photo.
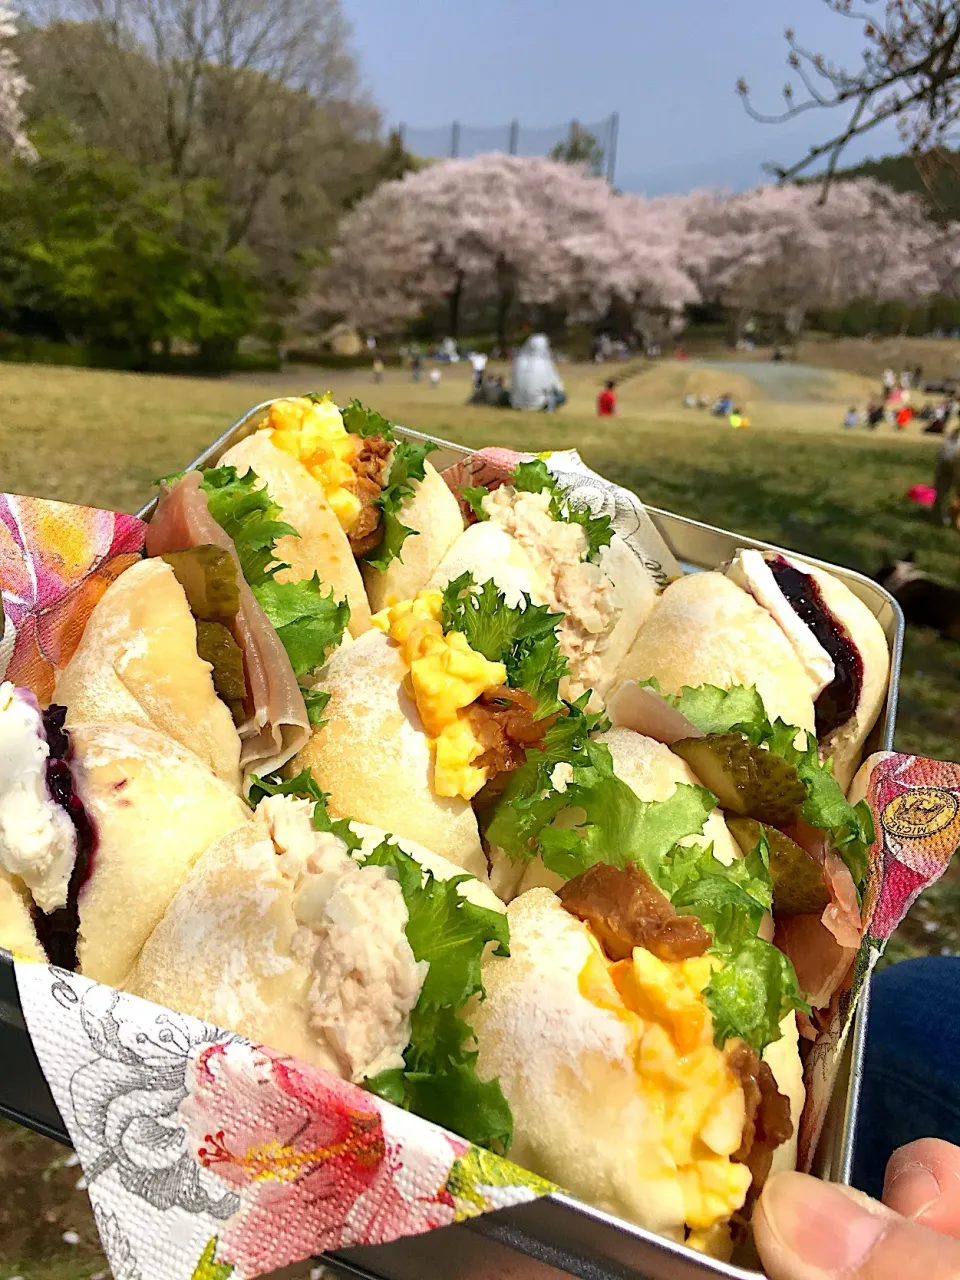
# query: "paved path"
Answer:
x=780 y=380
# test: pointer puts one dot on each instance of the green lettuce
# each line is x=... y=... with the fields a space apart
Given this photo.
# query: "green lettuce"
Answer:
x=304 y=787
x=310 y=624
x=741 y=710
x=439 y=1079
x=524 y=638
x=406 y=465
x=535 y=477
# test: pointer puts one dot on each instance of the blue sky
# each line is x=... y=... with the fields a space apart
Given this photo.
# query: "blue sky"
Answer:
x=668 y=66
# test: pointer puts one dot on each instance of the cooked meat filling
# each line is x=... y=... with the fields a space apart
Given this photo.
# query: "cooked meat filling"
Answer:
x=625 y=909
x=371 y=465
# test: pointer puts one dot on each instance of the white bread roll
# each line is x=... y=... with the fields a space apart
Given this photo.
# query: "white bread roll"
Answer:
x=585 y=1112
x=707 y=630
x=653 y=772
x=637 y=595
x=487 y=551
x=155 y=808
x=434 y=514
x=375 y=760
x=17 y=934
x=228 y=951
x=322 y=546
x=783 y=1059
x=137 y=664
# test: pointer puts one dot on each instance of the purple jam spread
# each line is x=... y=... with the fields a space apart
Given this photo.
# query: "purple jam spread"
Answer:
x=58 y=930
x=838 y=701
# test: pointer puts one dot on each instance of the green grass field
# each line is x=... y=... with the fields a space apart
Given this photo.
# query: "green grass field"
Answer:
x=795 y=478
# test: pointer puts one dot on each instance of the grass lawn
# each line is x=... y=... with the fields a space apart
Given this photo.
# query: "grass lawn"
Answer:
x=795 y=478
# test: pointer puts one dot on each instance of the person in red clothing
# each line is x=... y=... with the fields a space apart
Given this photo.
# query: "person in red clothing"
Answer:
x=607 y=401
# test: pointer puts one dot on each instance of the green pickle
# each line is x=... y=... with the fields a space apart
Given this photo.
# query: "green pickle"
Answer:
x=209 y=580
x=745 y=779
x=217 y=646
x=798 y=886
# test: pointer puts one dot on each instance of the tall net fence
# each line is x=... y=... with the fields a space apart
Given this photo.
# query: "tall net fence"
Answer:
x=595 y=143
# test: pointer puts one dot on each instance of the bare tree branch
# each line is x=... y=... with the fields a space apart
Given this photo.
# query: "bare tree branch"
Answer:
x=910 y=74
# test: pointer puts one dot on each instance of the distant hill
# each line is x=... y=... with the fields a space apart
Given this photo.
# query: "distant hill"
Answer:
x=903 y=174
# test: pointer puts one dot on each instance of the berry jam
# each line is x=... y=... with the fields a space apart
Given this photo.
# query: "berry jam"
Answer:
x=838 y=701
x=58 y=930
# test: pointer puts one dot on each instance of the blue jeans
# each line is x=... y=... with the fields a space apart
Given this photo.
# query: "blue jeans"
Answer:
x=911 y=1085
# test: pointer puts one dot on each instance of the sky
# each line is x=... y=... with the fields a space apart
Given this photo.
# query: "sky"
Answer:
x=669 y=68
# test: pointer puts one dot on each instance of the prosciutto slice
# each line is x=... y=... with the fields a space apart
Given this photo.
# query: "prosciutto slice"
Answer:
x=275 y=726
x=632 y=706
x=842 y=915
x=822 y=964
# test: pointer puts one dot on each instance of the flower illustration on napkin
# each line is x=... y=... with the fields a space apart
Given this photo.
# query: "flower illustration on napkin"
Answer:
x=305 y=1153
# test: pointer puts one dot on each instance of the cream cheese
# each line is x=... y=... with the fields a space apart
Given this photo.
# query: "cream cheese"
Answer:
x=38 y=843
x=750 y=571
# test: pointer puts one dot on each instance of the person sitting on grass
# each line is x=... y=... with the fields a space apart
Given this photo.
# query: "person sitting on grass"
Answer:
x=850 y=418
x=607 y=400
x=738 y=419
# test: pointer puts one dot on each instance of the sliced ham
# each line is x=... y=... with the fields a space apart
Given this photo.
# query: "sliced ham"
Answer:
x=276 y=724
x=842 y=915
x=821 y=962
x=633 y=707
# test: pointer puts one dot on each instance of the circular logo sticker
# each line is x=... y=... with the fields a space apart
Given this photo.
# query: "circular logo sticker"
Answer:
x=919 y=813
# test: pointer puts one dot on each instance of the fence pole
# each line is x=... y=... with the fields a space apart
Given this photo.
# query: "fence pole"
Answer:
x=402 y=136
x=612 y=149
x=455 y=140
x=574 y=134
x=514 y=137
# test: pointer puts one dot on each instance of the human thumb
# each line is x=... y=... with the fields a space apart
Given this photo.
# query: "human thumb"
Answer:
x=811 y=1230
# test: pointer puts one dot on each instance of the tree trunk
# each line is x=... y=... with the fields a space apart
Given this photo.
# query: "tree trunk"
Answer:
x=505 y=294
x=455 y=298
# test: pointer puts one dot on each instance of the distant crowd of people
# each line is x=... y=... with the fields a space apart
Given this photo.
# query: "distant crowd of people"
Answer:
x=894 y=407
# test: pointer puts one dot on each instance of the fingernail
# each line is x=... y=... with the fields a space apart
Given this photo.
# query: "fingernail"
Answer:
x=825 y=1226
x=914 y=1189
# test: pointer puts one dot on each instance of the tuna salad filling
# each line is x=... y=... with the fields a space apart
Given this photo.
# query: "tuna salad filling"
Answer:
x=366 y=980
x=565 y=582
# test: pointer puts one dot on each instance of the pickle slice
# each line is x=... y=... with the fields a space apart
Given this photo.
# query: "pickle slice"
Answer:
x=798 y=886
x=744 y=778
x=217 y=646
x=209 y=580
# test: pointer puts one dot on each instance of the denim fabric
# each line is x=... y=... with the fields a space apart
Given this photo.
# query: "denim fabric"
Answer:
x=911 y=1086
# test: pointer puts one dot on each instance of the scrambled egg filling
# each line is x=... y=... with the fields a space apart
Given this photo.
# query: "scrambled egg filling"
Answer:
x=683 y=1077
x=446 y=676
x=314 y=434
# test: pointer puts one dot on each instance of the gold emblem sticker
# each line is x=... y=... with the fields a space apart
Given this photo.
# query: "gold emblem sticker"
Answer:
x=922 y=812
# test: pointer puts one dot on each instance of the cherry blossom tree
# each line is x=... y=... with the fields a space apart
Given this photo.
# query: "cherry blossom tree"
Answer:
x=783 y=250
x=12 y=88
x=512 y=229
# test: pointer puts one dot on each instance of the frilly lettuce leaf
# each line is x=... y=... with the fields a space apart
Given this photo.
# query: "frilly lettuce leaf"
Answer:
x=439 y=1078
x=304 y=787
x=535 y=477
x=310 y=624
x=243 y=508
x=524 y=639
x=741 y=710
